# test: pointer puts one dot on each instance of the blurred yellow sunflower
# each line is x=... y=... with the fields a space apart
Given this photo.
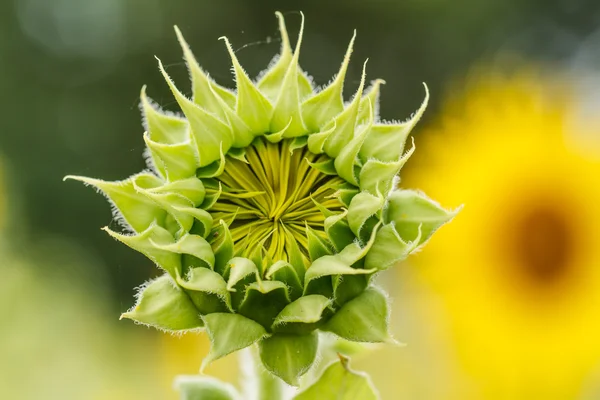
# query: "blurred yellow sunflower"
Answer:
x=518 y=272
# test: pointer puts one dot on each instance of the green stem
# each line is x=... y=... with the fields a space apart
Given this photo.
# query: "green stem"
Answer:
x=269 y=387
x=258 y=383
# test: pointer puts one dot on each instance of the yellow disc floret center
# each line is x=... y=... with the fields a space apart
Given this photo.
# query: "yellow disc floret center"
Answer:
x=271 y=197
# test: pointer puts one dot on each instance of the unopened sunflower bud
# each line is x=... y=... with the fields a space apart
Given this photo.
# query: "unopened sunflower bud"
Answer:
x=270 y=209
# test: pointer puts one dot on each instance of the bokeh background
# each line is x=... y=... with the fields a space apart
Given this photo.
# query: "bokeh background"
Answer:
x=503 y=304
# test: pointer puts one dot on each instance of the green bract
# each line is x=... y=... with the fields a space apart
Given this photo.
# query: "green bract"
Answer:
x=270 y=209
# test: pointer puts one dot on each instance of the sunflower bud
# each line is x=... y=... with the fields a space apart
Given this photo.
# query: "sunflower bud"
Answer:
x=270 y=209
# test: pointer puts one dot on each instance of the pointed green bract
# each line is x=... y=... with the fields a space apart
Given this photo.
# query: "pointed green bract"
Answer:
x=252 y=106
x=207 y=290
x=137 y=210
x=165 y=306
x=229 y=333
x=378 y=176
x=289 y=356
x=287 y=106
x=303 y=315
x=162 y=127
x=264 y=301
x=389 y=248
x=345 y=123
x=148 y=243
x=270 y=207
x=362 y=319
x=208 y=131
x=207 y=94
x=197 y=387
x=339 y=382
x=325 y=105
x=370 y=98
x=412 y=211
x=362 y=207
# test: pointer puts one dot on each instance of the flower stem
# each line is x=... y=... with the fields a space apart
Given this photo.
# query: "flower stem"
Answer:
x=257 y=383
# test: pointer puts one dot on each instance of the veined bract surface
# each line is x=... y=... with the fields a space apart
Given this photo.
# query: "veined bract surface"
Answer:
x=270 y=209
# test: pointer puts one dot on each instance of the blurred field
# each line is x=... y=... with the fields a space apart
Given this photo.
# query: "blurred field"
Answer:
x=503 y=304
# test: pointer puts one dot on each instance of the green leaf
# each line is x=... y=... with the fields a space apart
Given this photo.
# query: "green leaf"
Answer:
x=339 y=382
x=302 y=315
x=207 y=289
x=196 y=387
x=414 y=213
x=362 y=319
x=165 y=306
x=289 y=356
x=229 y=333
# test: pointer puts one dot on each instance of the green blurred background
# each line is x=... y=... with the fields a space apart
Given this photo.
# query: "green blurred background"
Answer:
x=70 y=76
